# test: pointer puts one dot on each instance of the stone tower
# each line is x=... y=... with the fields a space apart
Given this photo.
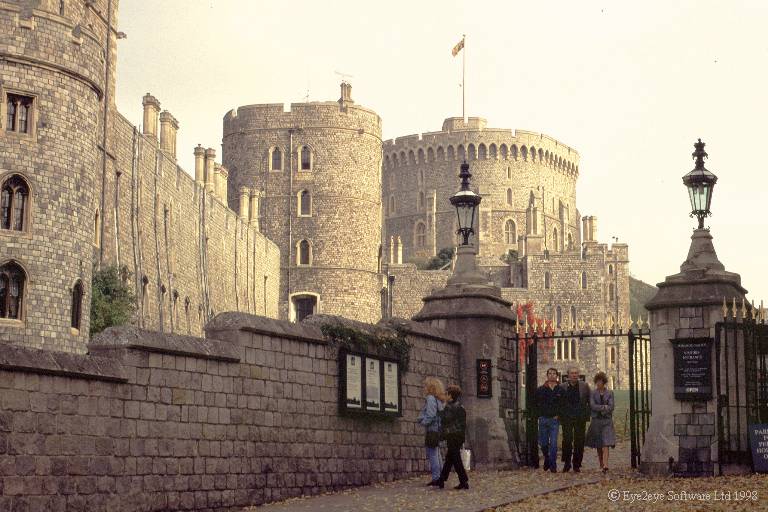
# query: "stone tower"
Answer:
x=56 y=76
x=312 y=175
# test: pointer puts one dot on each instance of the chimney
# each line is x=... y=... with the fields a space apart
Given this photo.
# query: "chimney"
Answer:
x=254 y=209
x=346 y=96
x=589 y=227
x=245 y=203
x=210 y=163
x=221 y=185
x=200 y=165
x=151 y=110
x=168 y=128
x=399 y=247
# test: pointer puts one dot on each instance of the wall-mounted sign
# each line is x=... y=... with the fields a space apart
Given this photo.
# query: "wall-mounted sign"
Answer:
x=758 y=443
x=484 y=382
x=369 y=385
x=693 y=368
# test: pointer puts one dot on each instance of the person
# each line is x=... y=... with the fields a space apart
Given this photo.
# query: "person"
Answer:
x=549 y=405
x=601 y=434
x=454 y=424
x=429 y=418
x=576 y=412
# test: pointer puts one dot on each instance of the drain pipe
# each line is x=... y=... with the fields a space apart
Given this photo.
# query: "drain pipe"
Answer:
x=290 y=216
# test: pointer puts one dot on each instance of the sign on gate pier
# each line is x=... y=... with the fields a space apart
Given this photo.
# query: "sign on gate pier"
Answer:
x=693 y=368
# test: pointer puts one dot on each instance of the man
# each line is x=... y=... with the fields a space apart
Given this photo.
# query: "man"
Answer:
x=549 y=405
x=574 y=420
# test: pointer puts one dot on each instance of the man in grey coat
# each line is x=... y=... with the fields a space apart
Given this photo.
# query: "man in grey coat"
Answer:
x=574 y=420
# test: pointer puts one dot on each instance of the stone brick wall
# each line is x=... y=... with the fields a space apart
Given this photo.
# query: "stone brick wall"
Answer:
x=152 y=421
x=344 y=182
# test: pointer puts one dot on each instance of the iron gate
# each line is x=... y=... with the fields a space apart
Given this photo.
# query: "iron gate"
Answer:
x=528 y=341
x=741 y=375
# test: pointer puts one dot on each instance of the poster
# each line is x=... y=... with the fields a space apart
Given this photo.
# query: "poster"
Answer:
x=372 y=384
x=693 y=369
x=758 y=442
x=354 y=382
x=391 y=395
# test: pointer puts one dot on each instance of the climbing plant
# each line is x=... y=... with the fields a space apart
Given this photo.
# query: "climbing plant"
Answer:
x=383 y=343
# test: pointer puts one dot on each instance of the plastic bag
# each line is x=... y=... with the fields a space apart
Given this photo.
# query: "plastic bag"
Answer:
x=466 y=458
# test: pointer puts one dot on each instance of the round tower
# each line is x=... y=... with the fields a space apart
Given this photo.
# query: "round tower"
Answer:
x=316 y=170
x=527 y=181
x=56 y=75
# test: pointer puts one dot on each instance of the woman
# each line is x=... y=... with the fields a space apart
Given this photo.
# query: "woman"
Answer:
x=429 y=418
x=601 y=434
x=454 y=419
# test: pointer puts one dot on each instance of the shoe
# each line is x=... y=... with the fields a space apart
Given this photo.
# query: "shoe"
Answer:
x=605 y=470
x=432 y=483
x=576 y=470
x=546 y=465
x=566 y=468
x=465 y=485
x=440 y=484
x=553 y=469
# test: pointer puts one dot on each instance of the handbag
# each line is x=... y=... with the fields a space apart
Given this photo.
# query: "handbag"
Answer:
x=466 y=458
x=432 y=439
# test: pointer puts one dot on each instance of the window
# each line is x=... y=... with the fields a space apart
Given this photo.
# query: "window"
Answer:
x=574 y=350
x=391 y=205
x=570 y=242
x=611 y=292
x=610 y=269
x=12 y=280
x=509 y=195
x=421 y=200
x=305 y=253
x=305 y=204
x=612 y=359
x=566 y=350
x=276 y=160
x=510 y=232
x=583 y=280
x=187 y=304
x=14 y=199
x=556 y=240
x=61 y=7
x=547 y=280
x=306 y=159
x=303 y=306
x=19 y=113
x=96 y=229
x=559 y=317
x=573 y=316
x=77 y=304
x=509 y=177
x=421 y=234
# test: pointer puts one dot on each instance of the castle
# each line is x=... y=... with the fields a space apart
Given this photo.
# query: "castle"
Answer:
x=308 y=211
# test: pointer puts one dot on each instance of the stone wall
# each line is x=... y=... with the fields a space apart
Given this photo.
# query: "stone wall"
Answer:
x=151 y=421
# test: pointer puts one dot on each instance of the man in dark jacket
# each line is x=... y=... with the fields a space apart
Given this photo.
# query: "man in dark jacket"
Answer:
x=453 y=419
x=574 y=420
x=549 y=408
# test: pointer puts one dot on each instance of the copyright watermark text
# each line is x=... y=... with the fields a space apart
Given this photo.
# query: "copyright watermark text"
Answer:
x=645 y=496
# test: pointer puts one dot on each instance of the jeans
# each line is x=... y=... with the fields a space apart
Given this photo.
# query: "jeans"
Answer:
x=433 y=455
x=573 y=441
x=548 y=428
x=453 y=460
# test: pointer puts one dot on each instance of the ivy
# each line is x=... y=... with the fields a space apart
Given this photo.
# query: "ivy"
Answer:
x=392 y=344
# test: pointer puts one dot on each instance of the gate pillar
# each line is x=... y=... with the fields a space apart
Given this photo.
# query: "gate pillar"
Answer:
x=681 y=437
x=475 y=313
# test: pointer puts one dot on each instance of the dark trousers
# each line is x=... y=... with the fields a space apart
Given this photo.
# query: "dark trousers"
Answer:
x=453 y=460
x=573 y=440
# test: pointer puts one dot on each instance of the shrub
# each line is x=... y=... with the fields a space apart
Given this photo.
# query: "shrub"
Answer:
x=112 y=301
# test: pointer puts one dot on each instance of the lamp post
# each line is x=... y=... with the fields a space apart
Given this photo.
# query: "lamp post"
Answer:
x=466 y=202
x=700 y=183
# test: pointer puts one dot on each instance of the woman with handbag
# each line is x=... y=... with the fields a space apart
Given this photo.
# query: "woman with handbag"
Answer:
x=601 y=434
x=454 y=420
x=429 y=418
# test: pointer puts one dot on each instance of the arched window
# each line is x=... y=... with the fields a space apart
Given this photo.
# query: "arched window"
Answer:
x=421 y=234
x=421 y=155
x=421 y=177
x=411 y=157
x=611 y=292
x=77 y=304
x=305 y=204
x=472 y=152
x=12 y=281
x=573 y=316
x=610 y=269
x=583 y=280
x=556 y=240
x=391 y=204
x=570 y=242
x=533 y=153
x=541 y=154
x=509 y=172
x=306 y=159
x=451 y=154
x=492 y=152
x=276 y=160
x=481 y=152
x=503 y=151
x=440 y=153
x=524 y=152
x=514 y=151
x=421 y=200
x=613 y=356
x=462 y=152
x=574 y=350
x=510 y=232
x=14 y=203
x=304 y=253
x=430 y=155
x=559 y=317
x=509 y=196
x=547 y=280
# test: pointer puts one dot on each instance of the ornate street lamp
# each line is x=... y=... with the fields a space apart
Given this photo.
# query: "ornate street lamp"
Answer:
x=465 y=201
x=700 y=183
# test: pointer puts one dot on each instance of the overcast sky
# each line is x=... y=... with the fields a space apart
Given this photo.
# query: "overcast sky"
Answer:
x=630 y=85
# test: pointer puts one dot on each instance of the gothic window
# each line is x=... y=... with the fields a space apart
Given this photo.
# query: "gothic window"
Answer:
x=610 y=269
x=533 y=153
x=303 y=306
x=421 y=155
x=14 y=203
x=481 y=152
x=462 y=152
x=421 y=200
x=503 y=151
x=510 y=232
x=19 y=113
x=391 y=205
x=547 y=280
x=570 y=242
x=77 y=304
x=514 y=151
x=574 y=350
x=559 y=354
x=613 y=356
x=524 y=152
x=573 y=315
x=305 y=204
x=304 y=253
x=421 y=234
x=430 y=155
x=12 y=281
x=472 y=153
x=451 y=154
x=276 y=160
x=555 y=240
x=559 y=317
x=583 y=280
x=509 y=196
x=306 y=159
x=492 y=152
x=440 y=153
x=611 y=292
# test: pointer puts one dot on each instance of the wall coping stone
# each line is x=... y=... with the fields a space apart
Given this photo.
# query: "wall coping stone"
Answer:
x=234 y=320
x=129 y=337
x=33 y=360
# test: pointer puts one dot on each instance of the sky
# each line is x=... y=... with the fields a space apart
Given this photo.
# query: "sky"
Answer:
x=630 y=85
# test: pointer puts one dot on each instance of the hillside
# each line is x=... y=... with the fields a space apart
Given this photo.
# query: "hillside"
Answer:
x=639 y=293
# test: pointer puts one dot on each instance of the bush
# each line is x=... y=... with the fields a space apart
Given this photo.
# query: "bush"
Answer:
x=112 y=301
x=444 y=256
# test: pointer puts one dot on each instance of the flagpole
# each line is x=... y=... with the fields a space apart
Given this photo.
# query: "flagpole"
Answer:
x=463 y=74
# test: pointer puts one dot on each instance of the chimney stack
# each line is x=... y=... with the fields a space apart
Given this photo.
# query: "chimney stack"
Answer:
x=210 y=163
x=245 y=203
x=254 y=210
x=200 y=165
x=222 y=176
x=151 y=110
x=168 y=128
x=346 y=95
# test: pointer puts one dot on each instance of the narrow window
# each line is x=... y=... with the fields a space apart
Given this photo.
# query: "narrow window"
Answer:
x=13 y=203
x=421 y=200
x=19 y=113
x=509 y=196
x=306 y=159
x=10 y=124
x=77 y=303
x=305 y=203
x=583 y=280
x=391 y=204
x=610 y=269
x=97 y=229
x=570 y=242
x=186 y=314
x=574 y=350
x=547 y=280
x=573 y=316
x=421 y=234
x=277 y=159
x=61 y=7
x=304 y=252
x=556 y=239
x=559 y=355
x=510 y=233
x=613 y=356
x=559 y=319
x=12 y=280
x=509 y=175
x=611 y=292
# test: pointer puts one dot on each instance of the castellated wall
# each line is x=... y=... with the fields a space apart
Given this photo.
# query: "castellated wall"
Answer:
x=152 y=421
x=343 y=224
x=522 y=176
x=57 y=60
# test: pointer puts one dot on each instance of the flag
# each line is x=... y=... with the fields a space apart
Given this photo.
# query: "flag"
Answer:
x=458 y=47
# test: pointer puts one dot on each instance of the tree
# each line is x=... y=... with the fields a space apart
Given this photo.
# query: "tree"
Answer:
x=444 y=256
x=112 y=301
